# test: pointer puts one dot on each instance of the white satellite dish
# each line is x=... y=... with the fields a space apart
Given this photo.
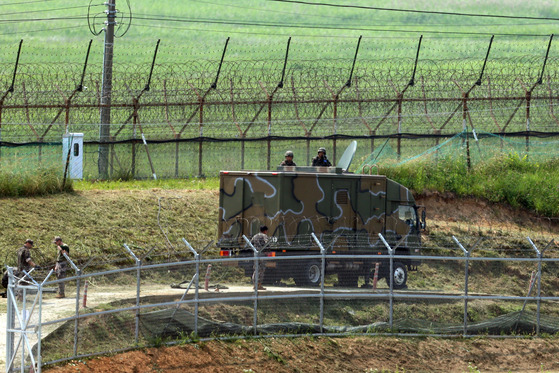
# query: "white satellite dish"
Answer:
x=347 y=157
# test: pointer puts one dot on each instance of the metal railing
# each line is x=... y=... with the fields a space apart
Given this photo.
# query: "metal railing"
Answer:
x=150 y=313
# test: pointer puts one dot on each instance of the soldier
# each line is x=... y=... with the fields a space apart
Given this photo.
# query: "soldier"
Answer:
x=24 y=261
x=61 y=265
x=288 y=159
x=260 y=242
x=320 y=160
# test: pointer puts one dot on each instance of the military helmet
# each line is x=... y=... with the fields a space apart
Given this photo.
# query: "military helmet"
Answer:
x=289 y=153
x=323 y=150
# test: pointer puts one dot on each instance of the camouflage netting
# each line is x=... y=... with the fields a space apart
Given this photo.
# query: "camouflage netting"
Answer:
x=175 y=323
x=477 y=147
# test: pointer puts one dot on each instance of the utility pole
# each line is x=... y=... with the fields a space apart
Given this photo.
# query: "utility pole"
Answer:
x=105 y=123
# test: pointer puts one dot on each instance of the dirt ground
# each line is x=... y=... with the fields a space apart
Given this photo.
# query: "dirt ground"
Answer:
x=325 y=354
x=362 y=354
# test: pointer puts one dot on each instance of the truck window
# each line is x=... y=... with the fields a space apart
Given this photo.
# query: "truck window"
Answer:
x=407 y=214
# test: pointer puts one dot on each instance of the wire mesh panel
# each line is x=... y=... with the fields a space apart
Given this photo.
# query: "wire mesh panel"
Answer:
x=178 y=292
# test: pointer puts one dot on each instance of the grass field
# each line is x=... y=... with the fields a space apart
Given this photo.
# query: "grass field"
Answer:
x=196 y=28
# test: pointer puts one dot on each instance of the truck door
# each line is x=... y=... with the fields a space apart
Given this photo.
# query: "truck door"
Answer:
x=342 y=212
x=371 y=207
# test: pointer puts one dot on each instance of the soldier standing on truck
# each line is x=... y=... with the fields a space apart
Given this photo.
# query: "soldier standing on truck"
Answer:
x=288 y=159
x=260 y=242
x=320 y=160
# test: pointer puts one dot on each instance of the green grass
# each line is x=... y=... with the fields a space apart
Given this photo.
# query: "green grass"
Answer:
x=194 y=184
x=510 y=179
x=42 y=181
x=206 y=39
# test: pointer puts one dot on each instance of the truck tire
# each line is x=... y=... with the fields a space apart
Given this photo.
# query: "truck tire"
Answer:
x=348 y=278
x=400 y=276
x=309 y=273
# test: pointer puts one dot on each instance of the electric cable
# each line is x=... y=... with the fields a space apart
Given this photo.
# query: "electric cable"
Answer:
x=285 y=25
x=368 y=19
x=41 y=30
x=417 y=11
x=26 y=2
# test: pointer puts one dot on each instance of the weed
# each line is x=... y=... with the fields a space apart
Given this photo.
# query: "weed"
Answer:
x=472 y=368
x=274 y=355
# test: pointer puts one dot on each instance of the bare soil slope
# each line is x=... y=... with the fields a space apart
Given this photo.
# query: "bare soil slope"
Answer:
x=358 y=354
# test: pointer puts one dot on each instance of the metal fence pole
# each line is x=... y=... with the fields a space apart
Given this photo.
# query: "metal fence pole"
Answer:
x=256 y=270
x=76 y=322
x=138 y=278
x=391 y=276
x=10 y=316
x=197 y=289
x=40 y=323
x=322 y=277
x=466 y=266
x=539 y=279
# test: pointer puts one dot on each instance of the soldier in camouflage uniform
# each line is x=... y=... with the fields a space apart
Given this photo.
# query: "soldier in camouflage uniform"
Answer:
x=24 y=261
x=288 y=159
x=61 y=265
x=320 y=160
x=260 y=242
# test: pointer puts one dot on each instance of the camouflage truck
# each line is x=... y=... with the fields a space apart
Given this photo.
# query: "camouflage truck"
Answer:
x=346 y=211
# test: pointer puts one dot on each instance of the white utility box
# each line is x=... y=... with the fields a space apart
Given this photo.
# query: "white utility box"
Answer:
x=72 y=153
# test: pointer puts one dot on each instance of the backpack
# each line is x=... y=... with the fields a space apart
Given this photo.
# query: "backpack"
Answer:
x=5 y=279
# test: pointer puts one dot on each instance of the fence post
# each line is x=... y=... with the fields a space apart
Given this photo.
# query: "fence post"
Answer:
x=40 y=323
x=269 y=141
x=528 y=99
x=465 y=127
x=79 y=274
x=467 y=254
x=197 y=289
x=539 y=279
x=138 y=277
x=201 y=134
x=10 y=89
x=255 y=281
x=10 y=317
x=391 y=276
x=322 y=277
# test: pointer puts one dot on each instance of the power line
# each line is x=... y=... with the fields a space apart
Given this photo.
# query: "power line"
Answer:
x=368 y=19
x=286 y=25
x=25 y=2
x=47 y=29
x=418 y=11
x=41 y=19
x=46 y=10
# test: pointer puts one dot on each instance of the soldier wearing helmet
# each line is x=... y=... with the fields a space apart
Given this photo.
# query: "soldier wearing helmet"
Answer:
x=288 y=161
x=320 y=160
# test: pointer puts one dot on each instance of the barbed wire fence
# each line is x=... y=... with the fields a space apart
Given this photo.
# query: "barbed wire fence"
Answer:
x=198 y=115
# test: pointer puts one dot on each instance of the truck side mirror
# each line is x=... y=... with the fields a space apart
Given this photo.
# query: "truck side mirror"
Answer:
x=423 y=214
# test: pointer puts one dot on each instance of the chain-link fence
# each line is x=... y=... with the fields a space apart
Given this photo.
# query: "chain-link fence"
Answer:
x=469 y=286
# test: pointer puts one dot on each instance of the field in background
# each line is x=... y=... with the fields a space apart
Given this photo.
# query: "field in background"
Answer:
x=196 y=29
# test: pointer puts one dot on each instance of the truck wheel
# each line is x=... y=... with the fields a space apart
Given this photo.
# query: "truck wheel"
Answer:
x=348 y=278
x=400 y=276
x=309 y=273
